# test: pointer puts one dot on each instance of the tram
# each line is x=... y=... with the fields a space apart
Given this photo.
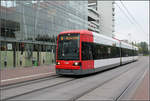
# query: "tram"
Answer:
x=82 y=52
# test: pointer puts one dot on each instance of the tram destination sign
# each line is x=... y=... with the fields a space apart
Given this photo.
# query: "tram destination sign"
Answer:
x=69 y=37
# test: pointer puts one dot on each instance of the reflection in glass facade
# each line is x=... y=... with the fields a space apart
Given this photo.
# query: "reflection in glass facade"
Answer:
x=29 y=29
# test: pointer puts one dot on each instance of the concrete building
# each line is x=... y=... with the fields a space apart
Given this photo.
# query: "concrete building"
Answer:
x=93 y=19
x=106 y=12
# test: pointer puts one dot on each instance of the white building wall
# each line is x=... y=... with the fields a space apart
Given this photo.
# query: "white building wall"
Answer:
x=105 y=9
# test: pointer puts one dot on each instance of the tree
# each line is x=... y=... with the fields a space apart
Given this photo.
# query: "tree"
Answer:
x=143 y=48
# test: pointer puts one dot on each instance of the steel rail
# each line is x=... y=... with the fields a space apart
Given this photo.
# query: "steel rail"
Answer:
x=99 y=85
x=27 y=82
x=137 y=77
x=32 y=91
x=75 y=97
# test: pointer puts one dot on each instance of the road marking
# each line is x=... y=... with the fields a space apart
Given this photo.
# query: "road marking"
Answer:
x=23 y=77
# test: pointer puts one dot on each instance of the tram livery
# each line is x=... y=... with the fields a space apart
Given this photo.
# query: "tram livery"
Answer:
x=83 y=52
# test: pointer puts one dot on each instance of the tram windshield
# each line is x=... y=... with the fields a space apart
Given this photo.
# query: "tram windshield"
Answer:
x=68 y=47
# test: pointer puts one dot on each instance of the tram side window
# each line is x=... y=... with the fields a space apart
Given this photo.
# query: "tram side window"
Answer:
x=98 y=51
x=104 y=51
x=123 y=52
x=95 y=51
x=87 y=51
x=130 y=53
x=127 y=52
x=115 y=52
x=135 y=52
x=118 y=52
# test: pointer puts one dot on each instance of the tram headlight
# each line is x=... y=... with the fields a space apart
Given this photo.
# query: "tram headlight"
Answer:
x=57 y=63
x=77 y=64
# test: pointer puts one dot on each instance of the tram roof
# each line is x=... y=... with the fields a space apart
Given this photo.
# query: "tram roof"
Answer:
x=113 y=40
x=77 y=31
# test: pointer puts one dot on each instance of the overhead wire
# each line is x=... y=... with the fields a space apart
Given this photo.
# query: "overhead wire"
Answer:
x=122 y=17
x=129 y=20
x=124 y=13
x=136 y=22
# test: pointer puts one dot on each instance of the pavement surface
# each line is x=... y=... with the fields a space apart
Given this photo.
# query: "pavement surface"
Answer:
x=15 y=75
x=142 y=93
x=109 y=85
x=78 y=89
x=117 y=87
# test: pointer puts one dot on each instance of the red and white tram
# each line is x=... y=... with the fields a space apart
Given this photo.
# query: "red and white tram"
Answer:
x=82 y=52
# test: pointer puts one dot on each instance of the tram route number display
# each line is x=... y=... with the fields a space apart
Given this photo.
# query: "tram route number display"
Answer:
x=69 y=38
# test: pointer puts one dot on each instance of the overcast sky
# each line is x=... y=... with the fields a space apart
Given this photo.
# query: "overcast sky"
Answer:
x=126 y=30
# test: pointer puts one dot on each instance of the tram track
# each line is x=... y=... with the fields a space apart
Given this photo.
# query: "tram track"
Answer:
x=121 y=94
x=14 y=86
x=132 y=83
x=18 y=85
x=73 y=81
x=68 y=82
x=28 y=85
x=27 y=82
x=75 y=98
x=91 y=89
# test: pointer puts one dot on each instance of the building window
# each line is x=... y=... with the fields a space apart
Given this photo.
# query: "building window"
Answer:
x=8 y=4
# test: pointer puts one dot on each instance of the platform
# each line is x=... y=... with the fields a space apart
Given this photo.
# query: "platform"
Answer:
x=20 y=74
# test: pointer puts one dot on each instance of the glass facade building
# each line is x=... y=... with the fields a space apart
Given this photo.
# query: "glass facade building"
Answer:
x=28 y=29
